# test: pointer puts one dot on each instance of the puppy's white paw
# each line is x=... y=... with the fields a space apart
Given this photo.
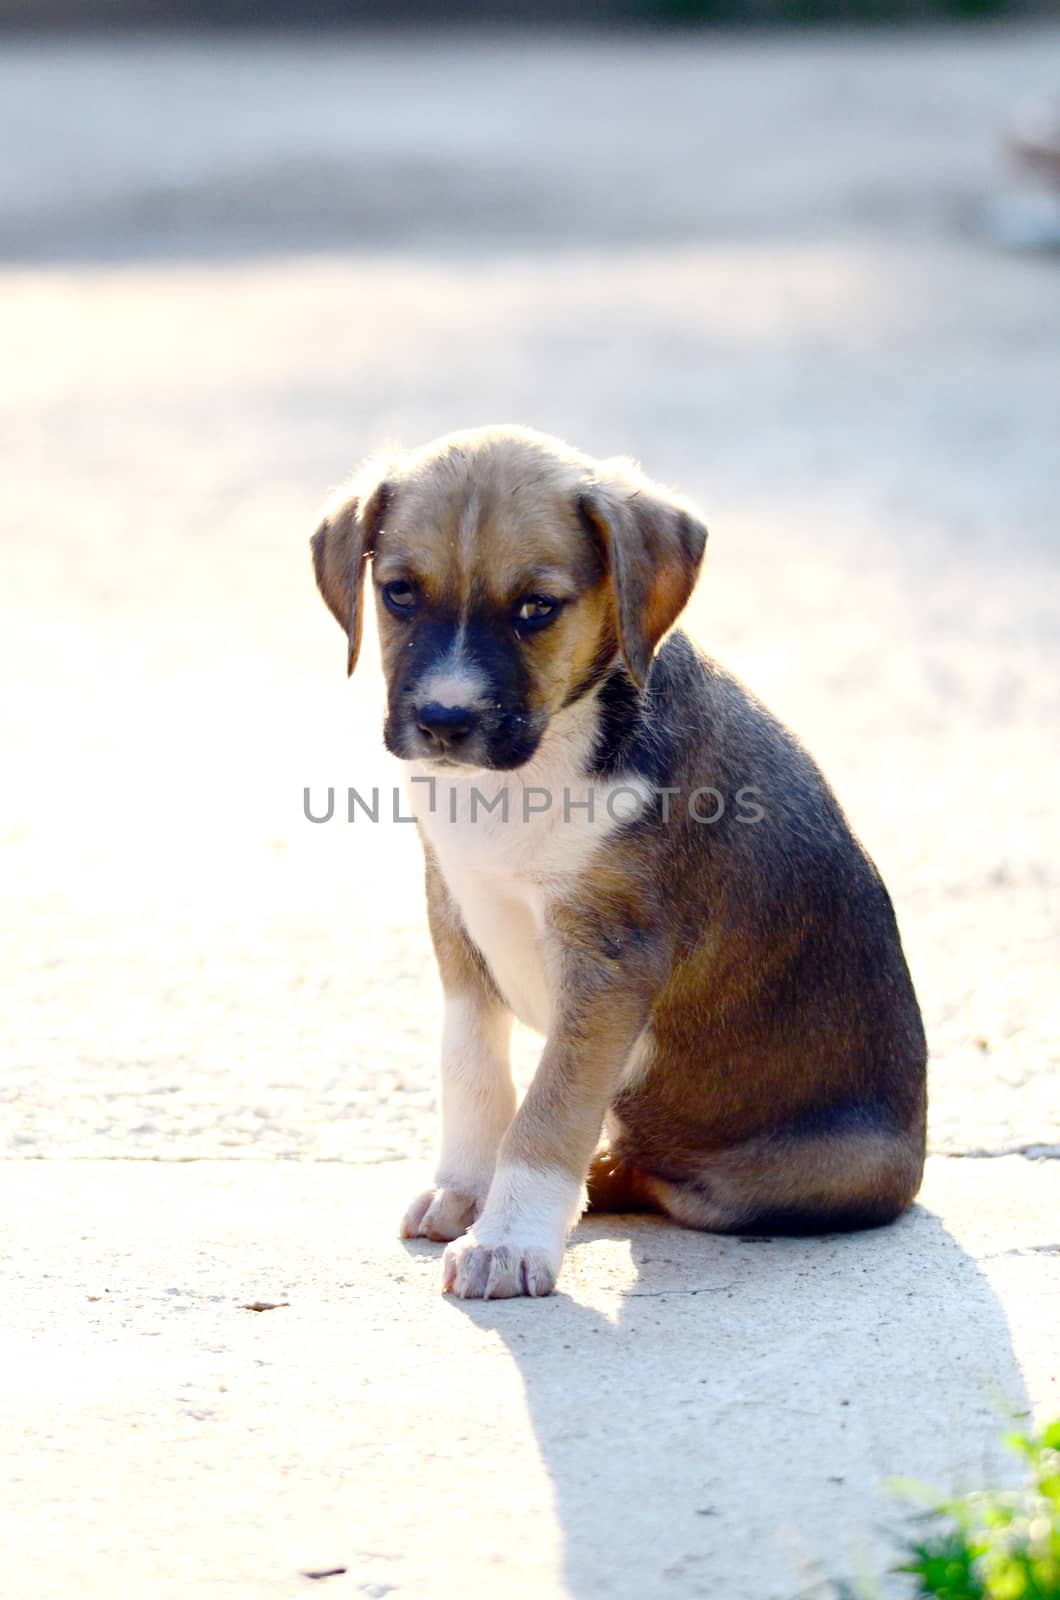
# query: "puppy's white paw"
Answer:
x=440 y=1214
x=497 y=1272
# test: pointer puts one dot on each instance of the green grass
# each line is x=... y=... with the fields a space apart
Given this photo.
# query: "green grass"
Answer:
x=996 y=1544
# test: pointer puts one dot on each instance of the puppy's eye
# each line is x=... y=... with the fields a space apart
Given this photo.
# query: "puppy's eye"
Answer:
x=400 y=597
x=536 y=611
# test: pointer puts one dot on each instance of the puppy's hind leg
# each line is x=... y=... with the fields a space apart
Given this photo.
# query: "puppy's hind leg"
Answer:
x=856 y=1173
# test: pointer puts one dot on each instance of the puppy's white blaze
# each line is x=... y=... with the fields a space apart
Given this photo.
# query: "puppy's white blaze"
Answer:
x=531 y=1207
x=477 y=1093
x=455 y=682
x=467 y=553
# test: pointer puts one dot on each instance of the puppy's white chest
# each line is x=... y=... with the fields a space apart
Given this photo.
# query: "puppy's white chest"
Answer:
x=500 y=869
x=505 y=917
x=507 y=845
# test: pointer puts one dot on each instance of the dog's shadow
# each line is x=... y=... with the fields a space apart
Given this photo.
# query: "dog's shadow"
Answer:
x=723 y=1418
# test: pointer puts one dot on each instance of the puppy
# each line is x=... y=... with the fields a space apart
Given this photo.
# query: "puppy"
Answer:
x=626 y=851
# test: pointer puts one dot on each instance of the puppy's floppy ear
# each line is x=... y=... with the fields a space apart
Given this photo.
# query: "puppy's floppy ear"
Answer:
x=341 y=547
x=652 y=543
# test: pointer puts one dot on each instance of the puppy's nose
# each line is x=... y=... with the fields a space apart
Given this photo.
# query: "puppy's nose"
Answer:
x=445 y=725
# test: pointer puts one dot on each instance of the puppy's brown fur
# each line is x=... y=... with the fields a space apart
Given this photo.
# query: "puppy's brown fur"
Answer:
x=732 y=998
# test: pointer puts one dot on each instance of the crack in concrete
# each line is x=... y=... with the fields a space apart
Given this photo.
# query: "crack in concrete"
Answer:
x=662 y=1294
x=1026 y=1250
x=1032 y=1152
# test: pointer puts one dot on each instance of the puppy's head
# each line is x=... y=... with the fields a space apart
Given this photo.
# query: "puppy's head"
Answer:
x=510 y=574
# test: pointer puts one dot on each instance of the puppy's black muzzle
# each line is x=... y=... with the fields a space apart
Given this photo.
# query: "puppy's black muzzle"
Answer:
x=497 y=730
x=445 y=727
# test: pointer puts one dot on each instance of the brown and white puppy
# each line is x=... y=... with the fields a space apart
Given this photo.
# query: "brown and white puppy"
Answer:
x=723 y=993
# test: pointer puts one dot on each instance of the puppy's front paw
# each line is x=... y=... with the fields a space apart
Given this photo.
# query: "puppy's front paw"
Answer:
x=440 y=1214
x=498 y=1272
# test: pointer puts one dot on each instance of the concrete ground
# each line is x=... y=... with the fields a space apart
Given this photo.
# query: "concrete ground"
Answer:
x=688 y=1416
x=230 y=267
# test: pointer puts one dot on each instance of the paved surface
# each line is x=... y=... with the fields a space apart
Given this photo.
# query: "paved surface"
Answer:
x=228 y=269
x=688 y=1416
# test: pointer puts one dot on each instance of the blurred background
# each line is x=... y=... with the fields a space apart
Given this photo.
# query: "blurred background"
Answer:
x=799 y=273
x=595 y=13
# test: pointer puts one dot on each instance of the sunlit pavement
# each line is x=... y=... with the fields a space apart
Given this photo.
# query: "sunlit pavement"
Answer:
x=221 y=1376
x=229 y=269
